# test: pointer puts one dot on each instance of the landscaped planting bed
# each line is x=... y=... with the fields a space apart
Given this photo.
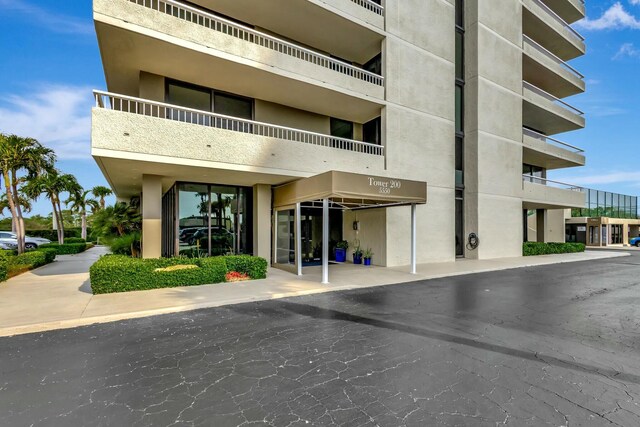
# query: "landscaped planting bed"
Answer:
x=539 y=248
x=120 y=273
x=12 y=264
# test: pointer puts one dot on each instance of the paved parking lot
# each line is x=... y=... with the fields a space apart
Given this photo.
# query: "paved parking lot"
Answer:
x=551 y=345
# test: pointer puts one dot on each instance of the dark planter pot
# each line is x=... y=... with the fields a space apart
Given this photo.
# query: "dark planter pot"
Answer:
x=367 y=261
x=341 y=255
x=357 y=259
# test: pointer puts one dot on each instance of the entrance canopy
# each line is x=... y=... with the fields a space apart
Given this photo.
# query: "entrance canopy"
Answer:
x=351 y=191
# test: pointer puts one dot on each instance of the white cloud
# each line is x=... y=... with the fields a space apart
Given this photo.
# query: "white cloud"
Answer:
x=48 y=19
x=57 y=116
x=615 y=18
x=636 y=2
x=627 y=50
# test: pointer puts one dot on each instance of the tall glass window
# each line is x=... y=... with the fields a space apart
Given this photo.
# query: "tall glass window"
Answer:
x=459 y=127
x=214 y=219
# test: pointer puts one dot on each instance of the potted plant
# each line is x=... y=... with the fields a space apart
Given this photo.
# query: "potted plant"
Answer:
x=341 y=251
x=368 y=254
x=357 y=255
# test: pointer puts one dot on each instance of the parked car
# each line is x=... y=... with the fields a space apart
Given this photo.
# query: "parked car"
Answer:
x=8 y=246
x=29 y=243
x=635 y=242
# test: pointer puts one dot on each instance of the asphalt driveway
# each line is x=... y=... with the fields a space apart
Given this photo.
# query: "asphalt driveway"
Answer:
x=552 y=345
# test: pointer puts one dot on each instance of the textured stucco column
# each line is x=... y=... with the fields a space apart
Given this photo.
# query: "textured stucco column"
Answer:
x=625 y=234
x=262 y=220
x=151 y=216
x=541 y=224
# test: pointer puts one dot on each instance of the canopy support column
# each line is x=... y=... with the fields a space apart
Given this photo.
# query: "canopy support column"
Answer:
x=413 y=238
x=298 y=234
x=325 y=241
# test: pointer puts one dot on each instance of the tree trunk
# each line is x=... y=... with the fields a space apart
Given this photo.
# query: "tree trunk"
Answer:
x=14 y=227
x=14 y=205
x=84 y=225
x=60 y=220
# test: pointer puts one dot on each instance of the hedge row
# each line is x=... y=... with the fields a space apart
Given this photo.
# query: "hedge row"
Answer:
x=74 y=240
x=539 y=248
x=65 y=249
x=119 y=273
x=11 y=262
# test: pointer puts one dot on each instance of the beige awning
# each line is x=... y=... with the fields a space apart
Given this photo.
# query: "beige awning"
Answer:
x=351 y=191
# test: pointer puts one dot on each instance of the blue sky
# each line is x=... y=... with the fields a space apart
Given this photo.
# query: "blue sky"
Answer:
x=51 y=62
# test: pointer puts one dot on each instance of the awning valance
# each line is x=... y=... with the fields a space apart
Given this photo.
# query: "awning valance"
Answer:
x=351 y=191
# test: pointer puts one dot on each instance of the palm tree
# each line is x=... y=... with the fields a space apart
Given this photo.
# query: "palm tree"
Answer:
x=52 y=184
x=119 y=219
x=79 y=202
x=22 y=200
x=101 y=192
x=21 y=159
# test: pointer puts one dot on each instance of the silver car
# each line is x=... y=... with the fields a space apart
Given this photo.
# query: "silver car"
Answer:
x=30 y=242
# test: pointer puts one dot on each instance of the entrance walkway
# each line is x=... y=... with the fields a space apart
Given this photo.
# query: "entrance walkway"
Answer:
x=59 y=295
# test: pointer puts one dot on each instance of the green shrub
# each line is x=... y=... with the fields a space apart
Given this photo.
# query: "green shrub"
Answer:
x=4 y=266
x=119 y=273
x=539 y=248
x=66 y=249
x=122 y=245
x=53 y=234
x=74 y=240
x=31 y=259
x=254 y=267
x=49 y=254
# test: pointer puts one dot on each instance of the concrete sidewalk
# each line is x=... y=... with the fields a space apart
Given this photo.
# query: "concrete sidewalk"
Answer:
x=59 y=295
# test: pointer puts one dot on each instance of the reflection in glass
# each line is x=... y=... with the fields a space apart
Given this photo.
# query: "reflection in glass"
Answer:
x=285 y=237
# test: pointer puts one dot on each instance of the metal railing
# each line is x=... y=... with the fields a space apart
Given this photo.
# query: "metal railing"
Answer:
x=552 y=183
x=571 y=32
x=529 y=41
x=129 y=104
x=549 y=140
x=371 y=5
x=547 y=95
x=233 y=29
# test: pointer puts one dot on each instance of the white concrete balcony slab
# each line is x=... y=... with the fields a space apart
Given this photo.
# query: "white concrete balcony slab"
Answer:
x=548 y=114
x=546 y=27
x=173 y=39
x=549 y=153
x=307 y=20
x=548 y=72
x=541 y=193
x=131 y=128
x=569 y=10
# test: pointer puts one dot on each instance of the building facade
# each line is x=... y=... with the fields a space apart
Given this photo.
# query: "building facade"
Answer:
x=212 y=105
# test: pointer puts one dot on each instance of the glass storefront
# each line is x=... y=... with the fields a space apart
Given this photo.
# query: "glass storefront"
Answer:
x=208 y=220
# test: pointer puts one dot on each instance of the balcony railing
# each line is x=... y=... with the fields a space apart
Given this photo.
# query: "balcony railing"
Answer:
x=570 y=31
x=529 y=41
x=128 y=104
x=371 y=5
x=233 y=29
x=552 y=98
x=549 y=140
x=551 y=183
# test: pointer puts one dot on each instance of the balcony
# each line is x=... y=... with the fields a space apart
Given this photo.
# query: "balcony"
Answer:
x=548 y=72
x=549 y=153
x=541 y=193
x=159 y=36
x=545 y=26
x=548 y=114
x=569 y=10
x=129 y=133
